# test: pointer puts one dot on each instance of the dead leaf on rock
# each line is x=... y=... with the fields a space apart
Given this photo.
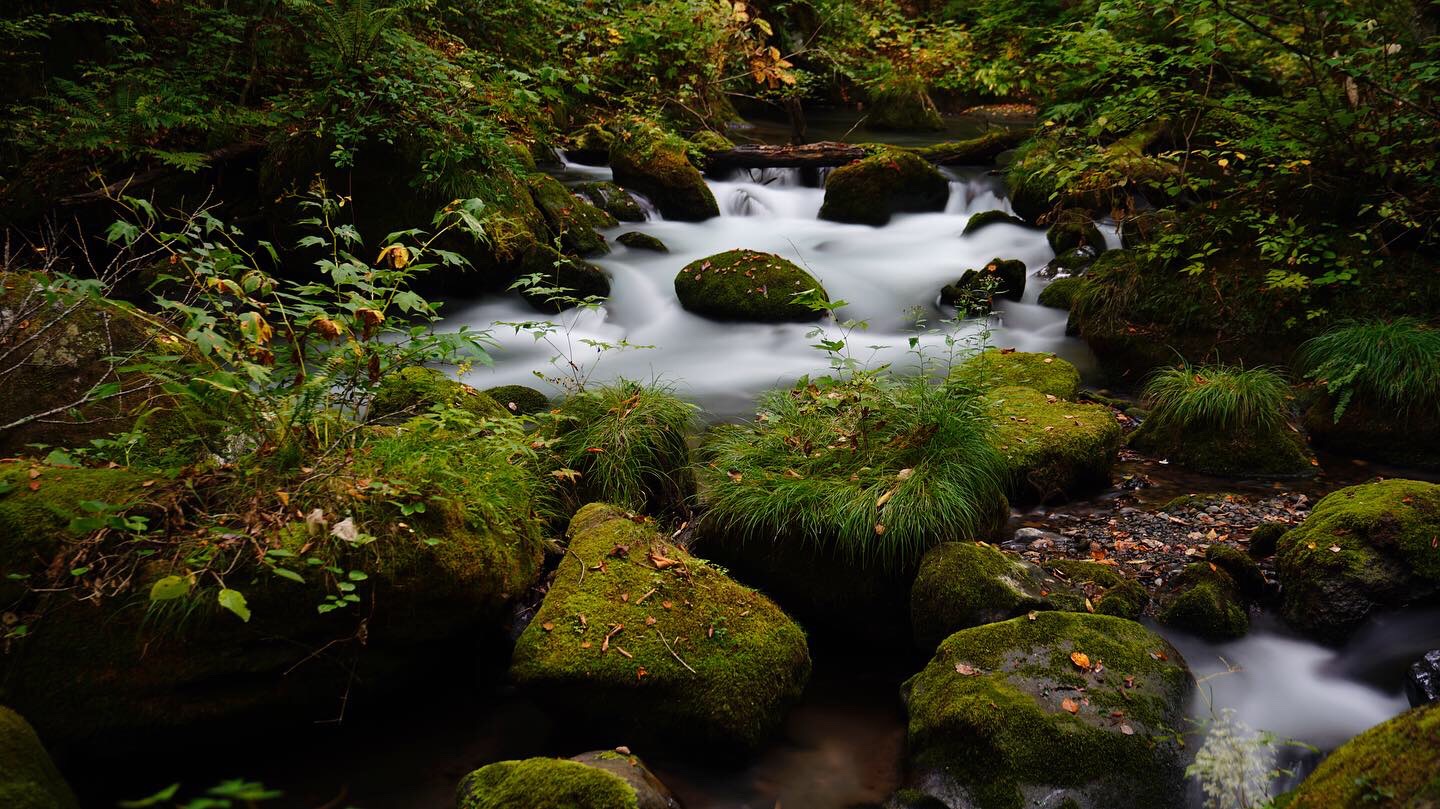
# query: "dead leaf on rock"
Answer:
x=1080 y=659
x=1070 y=705
x=966 y=669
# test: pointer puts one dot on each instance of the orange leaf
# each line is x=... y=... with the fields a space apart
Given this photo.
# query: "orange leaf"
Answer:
x=1080 y=659
x=1070 y=705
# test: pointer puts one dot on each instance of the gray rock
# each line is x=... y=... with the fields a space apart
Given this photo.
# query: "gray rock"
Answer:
x=1422 y=685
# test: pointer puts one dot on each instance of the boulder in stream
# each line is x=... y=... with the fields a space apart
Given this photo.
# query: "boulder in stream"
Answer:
x=636 y=240
x=602 y=779
x=985 y=219
x=1074 y=230
x=1052 y=448
x=1069 y=706
x=571 y=218
x=1394 y=765
x=612 y=199
x=1206 y=602
x=655 y=163
x=562 y=280
x=28 y=778
x=1003 y=368
x=977 y=289
x=1060 y=293
x=746 y=285
x=965 y=584
x=869 y=191
x=1422 y=683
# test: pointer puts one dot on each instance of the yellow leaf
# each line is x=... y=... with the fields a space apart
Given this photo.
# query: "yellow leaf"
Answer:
x=1080 y=659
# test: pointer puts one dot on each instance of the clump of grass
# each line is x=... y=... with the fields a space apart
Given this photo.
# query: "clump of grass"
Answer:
x=874 y=469
x=1219 y=397
x=628 y=442
x=1394 y=365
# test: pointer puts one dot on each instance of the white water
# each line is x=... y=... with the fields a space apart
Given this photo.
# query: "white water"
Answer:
x=887 y=275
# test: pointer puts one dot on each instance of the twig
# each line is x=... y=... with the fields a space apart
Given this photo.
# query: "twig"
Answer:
x=672 y=652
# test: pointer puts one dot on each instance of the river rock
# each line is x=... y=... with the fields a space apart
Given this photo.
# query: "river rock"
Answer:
x=1071 y=708
x=612 y=199
x=28 y=778
x=746 y=285
x=642 y=241
x=1206 y=602
x=1422 y=683
x=603 y=779
x=976 y=290
x=869 y=191
x=655 y=163
x=1002 y=368
x=562 y=280
x=1074 y=230
x=1074 y=261
x=1252 y=452
x=1052 y=448
x=1363 y=549
x=589 y=145
x=657 y=642
x=1060 y=293
x=1394 y=765
x=521 y=400
x=964 y=584
x=573 y=219
x=1107 y=591
x=985 y=219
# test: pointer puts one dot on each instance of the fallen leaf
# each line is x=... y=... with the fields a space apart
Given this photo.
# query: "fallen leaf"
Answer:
x=1126 y=729
x=548 y=626
x=966 y=669
x=1335 y=549
x=661 y=562
x=735 y=476
x=667 y=604
x=1070 y=705
x=1080 y=659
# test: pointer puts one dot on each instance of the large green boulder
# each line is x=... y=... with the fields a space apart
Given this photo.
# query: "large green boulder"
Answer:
x=1363 y=549
x=1394 y=765
x=746 y=285
x=1004 y=368
x=414 y=391
x=28 y=778
x=612 y=199
x=561 y=281
x=869 y=191
x=1052 y=448
x=1079 y=708
x=521 y=400
x=573 y=219
x=965 y=584
x=638 y=635
x=655 y=163
x=597 y=780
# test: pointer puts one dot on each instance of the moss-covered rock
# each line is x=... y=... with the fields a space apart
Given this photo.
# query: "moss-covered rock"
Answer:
x=28 y=778
x=656 y=163
x=1278 y=452
x=562 y=280
x=589 y=145
x=659 y=642
x=1060 y=293
x=1002 y=368
x=1367 y=431
x=976 y=290
x=1363 y=549
x=985 y=219
x=1053 y=449
x=708 y=140
x=612 y=199
x=573 y=219
x=1070 y=706
x=746 y=285
x=1394 y=765
x=544 y=783
x=520 y=400
x=1206 y=601
x=901 y=103
x=413 y=391
x=869 y=191
x=1241 y=568
x=642 y=241
x=1074 y=261
x=963 y=584
x=1109 y=592
x=1073 y=231
x=1265 y=538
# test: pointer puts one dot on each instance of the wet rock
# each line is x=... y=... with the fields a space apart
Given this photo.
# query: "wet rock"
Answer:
x=963 y=584
x=976 y=290
x=869 y=191
x=1276 y=452
x=1392 y=765
x=746 y=285
x=521 y=400
x=642 y=241
x=1052 y=448
x=613 y=200
x=562 y=280
x=1074 y=230
x=655 y=163
x=1422 y=683
x=985 y=219
x=28 y=778
x=1206 y=602
x=1072 y=262
x=1060 y=293
x=602 y=779
x=573 y=219
x=589 y=145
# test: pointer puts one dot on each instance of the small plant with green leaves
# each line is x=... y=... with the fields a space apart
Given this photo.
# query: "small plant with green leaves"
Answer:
x=1393 y=365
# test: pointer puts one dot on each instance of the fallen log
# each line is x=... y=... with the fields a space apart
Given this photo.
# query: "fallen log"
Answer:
x=973 y=151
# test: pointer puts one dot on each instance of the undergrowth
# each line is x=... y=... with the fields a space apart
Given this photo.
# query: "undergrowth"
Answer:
x=1391 y=364
x=1223 y=397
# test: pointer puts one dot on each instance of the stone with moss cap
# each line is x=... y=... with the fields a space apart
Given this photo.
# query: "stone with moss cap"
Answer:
x=656 y=163
x=562 y=280
x=413 y=391
x=869 y=191
x=589 y=145
x=659 y=642
x=1269 y=452
x=977 y=289
x=985 y=219
x=1052 y=448
x=1108 y=591
x=1065 y=705
x=964 y=584
x=746 y=285
x=521 y=400
x=1002 y=368
x=1363 y=549
x=602 y=779
x=1394 y=765
x=1072 y=230
x=1060 y=293
x=636 y=240
x=28 y=778
x=612 y=199
x=1206 y=601
x=573 y=219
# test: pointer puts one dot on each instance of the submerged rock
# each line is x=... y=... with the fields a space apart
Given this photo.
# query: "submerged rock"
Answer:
x=612 y=199
x=1002 y=368
x=869 y=191
x=1363 y=549
x=603 y=779
x=1073 y=707
x=1394 y=765
x=985 y=219
x=654 y=162
x=746 y=285
x=1422 y=683
x=976 y=290
x=642 y=241
x=28 y=778
x=573 y=219
x=1052 y=448
x=658 y=642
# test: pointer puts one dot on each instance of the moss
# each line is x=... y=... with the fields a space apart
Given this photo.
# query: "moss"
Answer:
x=562 y=278
x=989 y=713
x=1237 y=563
x=642 y=241
x=1367 y=431
x=1060 y=293
x=28 y=779
x=656 y=163
x=1074 y=261
x=589 y=145
x=902 y=103
x=985 y=219
x=745 y=285
x=612 y=199
x=414 y=390
x=962 y=584
x=1383 y=557
x=995 y=368
x=1277 y=452
x=1007 y=280
x=544 y=783
x=1266 y=536
x=1110 y=593
x=1052 y=449
x=1207 y=603
x=717 y=665
x=1394 y=765
x=573 y=219
x=869 y=191
x=708 y=140
x=1074 y=230
x=519 y=399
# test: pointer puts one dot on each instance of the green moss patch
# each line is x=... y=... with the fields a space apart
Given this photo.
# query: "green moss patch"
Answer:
x=985 y=219
x=869 y=191
x=976 y=290
x=573 y=219
x=1108 y=591
x=28 y=779
x=613 y=200
x=520 y=400
x=656 y=163
x=642 y=241
x=1052 y=448
x=1394 y=765
x=746 y=285
x=995 y=368
x=1060 y=293
x=1206 y=602
x=963 y=584
x=413 y=391
x=544 y=783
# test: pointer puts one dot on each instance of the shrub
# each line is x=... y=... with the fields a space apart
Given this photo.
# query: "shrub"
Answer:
x=880 y=470
x=1395 y=365
x=1222 y=397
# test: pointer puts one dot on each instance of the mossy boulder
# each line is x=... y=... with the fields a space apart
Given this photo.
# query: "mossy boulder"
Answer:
x=902 y=103
x=413 y=391
x=1367 y=431
x=656 y=163
x=1074 y=261
x=573 y=219
x=1206 y=602
x=521 y=400
x=597 y=780
x=642 y=241
x=1072 y=231
x=869 y=191
x=707 y=141
x=28 y=778
x=746 y=285
x=1070 y=706
x=985 y=219
x=1265 y=538
x=1275 y=452
x=1108 y=591
x=1060 y=293
x=1394 y=765
x=1241 y=568
x=612 y=199
x=1052 y=448
x=964 y=584
x=562 y=280
x=976 y=290
x=1363 y=549
x=1002 y=368
x=658 y=642
x=589 y=145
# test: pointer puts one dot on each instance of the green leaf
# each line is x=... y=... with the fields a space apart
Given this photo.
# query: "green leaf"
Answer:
x=168 y=588
x=234 y=601
x=287 y=573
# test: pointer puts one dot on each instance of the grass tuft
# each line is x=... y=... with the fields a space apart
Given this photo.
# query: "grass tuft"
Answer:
x=1220 y=397
x=875 y=469
x=1393 y=365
